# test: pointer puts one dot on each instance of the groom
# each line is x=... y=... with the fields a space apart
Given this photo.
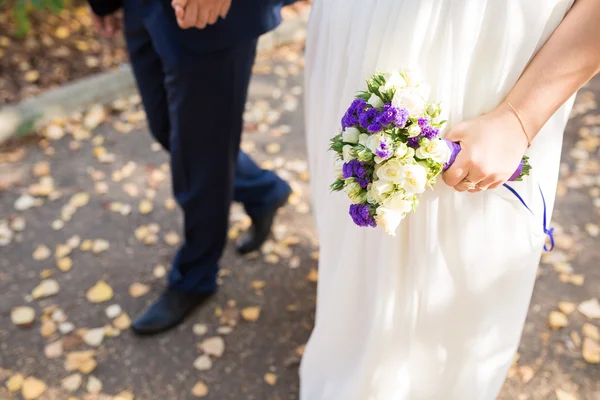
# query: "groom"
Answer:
x=193 y=84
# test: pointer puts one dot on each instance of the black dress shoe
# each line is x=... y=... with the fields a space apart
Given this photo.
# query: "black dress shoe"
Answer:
x=168 y=311
x=260 y=230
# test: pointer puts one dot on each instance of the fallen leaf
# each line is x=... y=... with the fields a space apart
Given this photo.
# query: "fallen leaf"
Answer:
x=18 y=224
x=31 y=76
x=64 y=264
x=313 y=275
x=200 y=329
x=41 y=168
x=66 y=327
x=258 y=285
x=145 y=206
x=82 y=361
x=94 y=337
x=172 y=238
x=124 y=396
x=170 y=204
x=576 y=279
x=46 y=273
x=94 y=117
x=160 y=271
x=270 y=378
x=590 y=331
x=58 y=315
x=32 y=388
x=591 y=351
x=251 y=314
x=203 y=363
x=138 y=289
x=557 y=320
x=48 y=328
x=25 y=202
x=94 y=385
x=200 y=389
x=15 y=383
x=86 y=245
x=58 y=224
x=41 y=253
x=214 y=346
x=54 y=349
x=99 y=293
x=62 y=250
x=111 y=331
x=22 y=316
x=590 y=308
x=99 y=246
x=592 y=229
x=567 y=307
x=72 y=382
x=526 y=373
x=576 y=339
x=300 y=350
x=224 y=330
x=79 y=199
x=46 y=288
x=122 y=322
x=113 y=311
x=562 y=395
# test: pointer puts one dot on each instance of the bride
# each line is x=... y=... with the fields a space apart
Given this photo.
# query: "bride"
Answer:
x=436 y=312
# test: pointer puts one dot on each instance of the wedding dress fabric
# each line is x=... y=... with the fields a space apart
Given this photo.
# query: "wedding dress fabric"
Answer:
x=436 y=312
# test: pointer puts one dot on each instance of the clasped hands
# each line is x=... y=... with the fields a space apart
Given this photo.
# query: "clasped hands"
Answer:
x=199 y=13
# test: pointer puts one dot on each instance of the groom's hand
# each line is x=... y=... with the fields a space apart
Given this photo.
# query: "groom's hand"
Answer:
x=199 y=13
x=106 y=26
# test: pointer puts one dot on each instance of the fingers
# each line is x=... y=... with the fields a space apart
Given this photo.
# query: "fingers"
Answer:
x=458 y=170
x=179 y=3
x=110 y=26
x=202 y=20
x=225 y=9
x=213 y=16
x=190 y=16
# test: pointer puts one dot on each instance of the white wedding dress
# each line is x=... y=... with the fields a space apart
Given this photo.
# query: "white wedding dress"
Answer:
x=436 y=312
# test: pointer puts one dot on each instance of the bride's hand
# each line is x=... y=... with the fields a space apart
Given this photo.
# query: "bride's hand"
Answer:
x=492 y=148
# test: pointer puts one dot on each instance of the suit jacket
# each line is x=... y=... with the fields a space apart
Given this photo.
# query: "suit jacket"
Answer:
x=246 y=19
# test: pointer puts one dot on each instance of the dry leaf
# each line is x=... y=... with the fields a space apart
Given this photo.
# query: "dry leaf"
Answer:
x=25 y=202
x=526 y=373
x=172 y=238
x=258 y=285
x=99 y=293
x=138 y=289
x=41 y=168
x=576 y=279
x=124 y=396
x=200 y=329
x=32 y=388
x=54 y=349
x=203 y=363
x=31 y=76
x=48 y=328
x=15 y=382
x=100 y=245
x=590 y=308
x=46 y=273
x=160 y=271
x=170 y=204
x=591 y=331
x=591 y=351
x=122 y=322
x=576 y=339
x=41 y=253
x=557 y=320
x=62 y=250
x=94 y=385
x=592 y=229
x=79 y=199
x=300 y=350
x=214 y=346
x=224 y=330
x=82 y=361
x=66 y=327
x=22 y=316
x=111 y=331
x=94 y=337
x=46 y=288
x=562 y=395
x=200 y=389
x=567 y=307
x=270 y=378
x=64 y=264
x=145 y=206
x=251 y=314
x=72 y=382
x=313 y=275
x=113 y=311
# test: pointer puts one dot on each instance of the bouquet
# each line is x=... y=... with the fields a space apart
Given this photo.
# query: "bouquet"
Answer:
x=390 y=150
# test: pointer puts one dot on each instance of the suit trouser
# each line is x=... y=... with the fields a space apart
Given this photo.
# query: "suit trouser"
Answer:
x=194 y=103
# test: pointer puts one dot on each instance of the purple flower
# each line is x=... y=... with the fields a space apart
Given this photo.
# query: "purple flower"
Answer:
x=359 y=170
x=384 y=150
x=348 y=170
x=429 y=132
x=375 y=127
x=358 y=106
x=363 y=182
x=361 y=215
x=423 y=121
x=391 y=115
x=351 y=117
x=367 y=117
x=413 y=142
x=349 y=120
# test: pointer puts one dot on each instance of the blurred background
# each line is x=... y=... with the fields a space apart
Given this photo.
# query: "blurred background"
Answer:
x=88 y=227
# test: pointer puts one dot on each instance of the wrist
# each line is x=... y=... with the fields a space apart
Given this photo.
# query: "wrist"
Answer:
x=511 y=119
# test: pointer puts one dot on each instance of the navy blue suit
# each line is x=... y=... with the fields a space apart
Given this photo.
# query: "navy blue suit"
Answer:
x=194 y=85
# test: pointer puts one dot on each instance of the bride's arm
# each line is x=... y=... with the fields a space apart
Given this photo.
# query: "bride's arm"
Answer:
x=565 y=63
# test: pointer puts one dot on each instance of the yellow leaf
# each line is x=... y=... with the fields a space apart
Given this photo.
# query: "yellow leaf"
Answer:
x=214 y=346
x=576 y=280
x=172 y=238
x=79 y=199
x=170 y=204
x=270 y=378
x=72 y=382
x=32 y=76
x=567 y=307
x=138 y=289
x=99 y=293
x=591 y=351
x=557 y=320
x=48 y=328
x=22 y=316
x=124 y=396
x=251 y=314
x=576 y=339
x=99 y=246
x=591 y=331
x=200 y=389
x=41 y=253
x=32 y=388
x=300 y=350
x=562 y=395
x=15 y=383
x=122 y=322
x=64 y=264
x=526 y=373
x=46 y=288
x=62 y=250
x=145 y=206
x=62 y=32
x=82 y=361
x=258 y=285
x=313 y=275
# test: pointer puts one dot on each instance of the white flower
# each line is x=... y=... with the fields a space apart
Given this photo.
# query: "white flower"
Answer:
x=373 y=142
x=354 y=192
x=350 y=135
x=338 y=164
x=413 y=76
x=401 y=150
x=362 y=139
x=414 y=130
x=375 y=101
x=379 y=190
x=393 y=80
x=390 y=171
x=436 y=149
x=347 y=153
x=413 y=178
x=398 y=202
x=412 y=100
x=388 y=219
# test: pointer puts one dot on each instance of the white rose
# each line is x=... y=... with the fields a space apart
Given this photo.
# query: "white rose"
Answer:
x=393 y=80
x=350 y=135
x=388 y=219
x=424 y=90
x=354 y=192
x=390 y=171
x=414 y=130
x=413 y=76
x=401 y=150
x=362 y=139
x=381 y=189
x=375 y=101
x=338 y=164
x=373 y=142
x=398 y=202
x=413 y=178
x=346 y=153
x=436 y=149
x=410 y=99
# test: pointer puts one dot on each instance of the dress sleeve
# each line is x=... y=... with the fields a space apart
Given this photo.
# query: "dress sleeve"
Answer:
x=105 y=7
